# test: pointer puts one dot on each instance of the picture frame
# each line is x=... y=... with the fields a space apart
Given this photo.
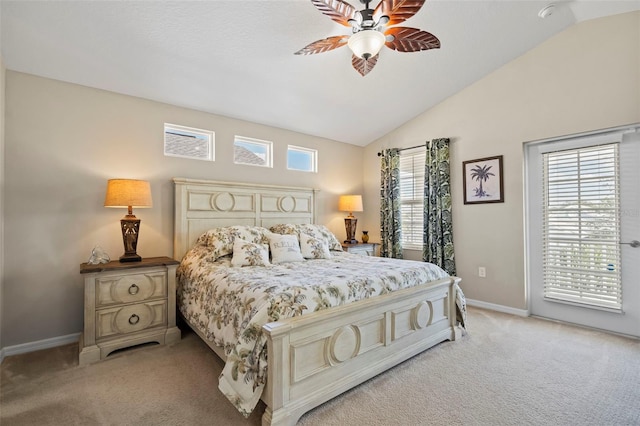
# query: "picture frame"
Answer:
x=483 y=181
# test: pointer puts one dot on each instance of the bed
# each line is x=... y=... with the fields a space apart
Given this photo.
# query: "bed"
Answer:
x=328 y=350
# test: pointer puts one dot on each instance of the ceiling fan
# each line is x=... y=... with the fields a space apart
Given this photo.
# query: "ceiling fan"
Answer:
x=371 y=30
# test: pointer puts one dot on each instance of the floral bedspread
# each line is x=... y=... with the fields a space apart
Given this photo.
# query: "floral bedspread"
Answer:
x=231 y=304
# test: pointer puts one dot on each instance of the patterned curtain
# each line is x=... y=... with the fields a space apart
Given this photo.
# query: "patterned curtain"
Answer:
x=438 y=230
x=390 y=227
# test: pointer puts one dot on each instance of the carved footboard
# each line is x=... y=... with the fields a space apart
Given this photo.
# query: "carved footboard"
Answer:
x=316 y=357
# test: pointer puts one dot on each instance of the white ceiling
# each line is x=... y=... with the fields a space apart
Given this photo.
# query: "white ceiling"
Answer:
x=235 y=58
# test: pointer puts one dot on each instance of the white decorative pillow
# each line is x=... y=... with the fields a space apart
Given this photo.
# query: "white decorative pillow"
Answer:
x=314 y=248
x=246 y=253
x=284 y=248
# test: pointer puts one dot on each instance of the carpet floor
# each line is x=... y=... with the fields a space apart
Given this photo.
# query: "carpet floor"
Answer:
x=507 y=370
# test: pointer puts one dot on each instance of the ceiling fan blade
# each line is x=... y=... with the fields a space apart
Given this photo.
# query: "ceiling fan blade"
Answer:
x=364 y=66
x=337 y=10
x=411 y=39
x=397 y=10
x=323 y=45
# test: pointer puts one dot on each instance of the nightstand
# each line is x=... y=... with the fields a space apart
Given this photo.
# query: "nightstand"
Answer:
x=127 y=304
x=365 y=249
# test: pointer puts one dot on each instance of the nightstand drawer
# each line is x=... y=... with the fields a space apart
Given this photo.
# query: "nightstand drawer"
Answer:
x=363 y=249
x=118 y=289
x=131 y=318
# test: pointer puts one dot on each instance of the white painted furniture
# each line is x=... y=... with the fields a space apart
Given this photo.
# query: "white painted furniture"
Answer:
x=317 y=356
x=127 y=304
x=365 y=249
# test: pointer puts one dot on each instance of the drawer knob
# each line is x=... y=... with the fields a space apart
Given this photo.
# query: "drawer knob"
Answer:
x=134 y=289
x=134 y=319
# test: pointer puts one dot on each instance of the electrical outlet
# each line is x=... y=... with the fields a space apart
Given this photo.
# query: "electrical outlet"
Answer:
x=482 y=272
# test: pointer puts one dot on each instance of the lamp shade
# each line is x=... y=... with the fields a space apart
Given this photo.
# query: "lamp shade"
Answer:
x=350 y=203
x=128 y=193
x=366 y=43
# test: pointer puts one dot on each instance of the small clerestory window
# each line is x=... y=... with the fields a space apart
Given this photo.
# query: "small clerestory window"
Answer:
x=302 y=159
x=188 y=142
x=252 y=152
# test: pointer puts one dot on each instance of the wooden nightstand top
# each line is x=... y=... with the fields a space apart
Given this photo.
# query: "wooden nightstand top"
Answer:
x=115 y=265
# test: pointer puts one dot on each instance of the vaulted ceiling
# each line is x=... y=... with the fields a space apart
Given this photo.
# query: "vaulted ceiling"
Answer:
x=235 y=58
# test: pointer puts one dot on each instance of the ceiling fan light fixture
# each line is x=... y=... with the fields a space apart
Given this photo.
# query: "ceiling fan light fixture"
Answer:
x=366 y=43
x=369 y=32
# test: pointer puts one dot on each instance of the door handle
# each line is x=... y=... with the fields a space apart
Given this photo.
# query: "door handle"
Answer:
x=633 y=243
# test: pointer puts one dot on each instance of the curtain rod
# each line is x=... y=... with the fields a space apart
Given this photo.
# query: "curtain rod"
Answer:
x=403 y=149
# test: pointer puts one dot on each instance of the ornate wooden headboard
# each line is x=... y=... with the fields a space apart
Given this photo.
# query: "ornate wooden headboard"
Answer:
x=201 y=205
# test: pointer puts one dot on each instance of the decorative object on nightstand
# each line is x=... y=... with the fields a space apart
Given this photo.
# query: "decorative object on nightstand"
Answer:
x=129 y=193
x=350 y=203
x=127 y=304
x=365 y=236
x=98 y=256
x=365 y=249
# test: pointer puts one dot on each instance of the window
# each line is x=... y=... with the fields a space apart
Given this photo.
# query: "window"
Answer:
x=252 y=152
x=581 y=226
x=411 y=198
x=302 y=159
x=187 y=142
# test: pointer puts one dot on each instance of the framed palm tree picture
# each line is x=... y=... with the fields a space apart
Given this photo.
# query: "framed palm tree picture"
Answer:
x=482 y=180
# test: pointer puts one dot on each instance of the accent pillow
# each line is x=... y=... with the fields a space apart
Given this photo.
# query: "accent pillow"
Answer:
x=317 y=231
x=246 y=253
x=321 y=231
x=314 y=248
x=284 y=248
x=220 y=240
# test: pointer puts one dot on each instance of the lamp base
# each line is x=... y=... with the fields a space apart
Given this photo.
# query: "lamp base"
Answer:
x=130 y=230
x=130 y=258
x=350 y=224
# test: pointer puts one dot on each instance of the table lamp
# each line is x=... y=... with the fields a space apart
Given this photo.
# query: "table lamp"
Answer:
x=350 y=203
x=129 y=193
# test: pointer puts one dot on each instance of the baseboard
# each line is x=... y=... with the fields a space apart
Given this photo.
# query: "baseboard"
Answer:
x=498 y=308
x=38 y=345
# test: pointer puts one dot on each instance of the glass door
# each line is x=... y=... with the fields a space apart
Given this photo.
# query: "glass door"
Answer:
x=582 y=218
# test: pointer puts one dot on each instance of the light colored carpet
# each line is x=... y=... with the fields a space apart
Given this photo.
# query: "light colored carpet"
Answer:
x=507 y=371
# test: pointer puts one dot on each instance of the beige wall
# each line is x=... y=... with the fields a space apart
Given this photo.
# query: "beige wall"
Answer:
x=586 y=78
x=64 y=141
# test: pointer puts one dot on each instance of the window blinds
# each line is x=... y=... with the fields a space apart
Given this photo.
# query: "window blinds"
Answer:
x=581 y=229
x=412 y=167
